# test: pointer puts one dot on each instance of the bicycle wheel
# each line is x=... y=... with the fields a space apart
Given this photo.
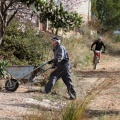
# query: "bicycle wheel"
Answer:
x=96 y=62
x=11 y=85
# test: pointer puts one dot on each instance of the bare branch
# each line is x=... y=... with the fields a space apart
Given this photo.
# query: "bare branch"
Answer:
x=9 y=5
x=2 y=6
x=12 y=16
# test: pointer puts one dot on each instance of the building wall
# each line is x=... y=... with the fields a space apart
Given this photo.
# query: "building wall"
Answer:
x=82 y=7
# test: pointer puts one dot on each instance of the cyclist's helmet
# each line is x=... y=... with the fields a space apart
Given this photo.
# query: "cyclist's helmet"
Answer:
x=100 y=39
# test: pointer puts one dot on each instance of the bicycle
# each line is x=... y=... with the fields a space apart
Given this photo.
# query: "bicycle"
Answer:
x=96 y=57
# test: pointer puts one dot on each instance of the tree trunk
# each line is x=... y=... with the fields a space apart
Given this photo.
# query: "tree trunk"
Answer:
x=1 y=38
x=2 y=31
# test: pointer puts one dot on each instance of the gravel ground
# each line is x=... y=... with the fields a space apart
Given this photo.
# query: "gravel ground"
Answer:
x=15 y=105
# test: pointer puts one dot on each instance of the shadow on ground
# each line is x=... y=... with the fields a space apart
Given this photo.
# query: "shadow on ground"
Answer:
x=98 y=113
x=98 y=74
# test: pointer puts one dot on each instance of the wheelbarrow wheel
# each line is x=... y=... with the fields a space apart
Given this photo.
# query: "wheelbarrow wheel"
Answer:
x=11 y=85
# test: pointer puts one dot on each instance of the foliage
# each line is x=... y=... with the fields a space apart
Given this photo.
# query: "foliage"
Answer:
x=3 y=73
x=8 y=10
x=65 y=20
x=70 y=113
x=108 y=12
x=26 y=47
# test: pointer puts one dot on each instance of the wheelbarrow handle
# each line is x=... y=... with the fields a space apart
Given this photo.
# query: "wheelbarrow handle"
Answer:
x=41 y=66
x=34 y=69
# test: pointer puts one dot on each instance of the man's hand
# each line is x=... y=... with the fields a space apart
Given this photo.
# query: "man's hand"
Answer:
x=50 y=62
x=103 y=51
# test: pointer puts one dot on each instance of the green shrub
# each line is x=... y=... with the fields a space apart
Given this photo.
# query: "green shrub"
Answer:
x=24 y=47
x=70 y=113
x=3 y=73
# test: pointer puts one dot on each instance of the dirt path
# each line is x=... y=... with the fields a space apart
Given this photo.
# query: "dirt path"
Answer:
x=109 y=99
x=19 y=103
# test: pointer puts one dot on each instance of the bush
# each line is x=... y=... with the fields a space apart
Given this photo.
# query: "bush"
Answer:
x=116 y=38
x=24 y=46
x=79 y=52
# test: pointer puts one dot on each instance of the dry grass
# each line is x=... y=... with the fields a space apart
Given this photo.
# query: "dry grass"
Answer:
x=80 y=56
x=113 y=48
x=79 y=52
x=76 y=110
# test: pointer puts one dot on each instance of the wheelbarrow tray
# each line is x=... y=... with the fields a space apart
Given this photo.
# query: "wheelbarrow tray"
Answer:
x=18 y=72
x=23 y=73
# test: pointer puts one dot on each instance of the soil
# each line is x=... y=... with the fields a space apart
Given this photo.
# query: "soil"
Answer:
x=28 y=100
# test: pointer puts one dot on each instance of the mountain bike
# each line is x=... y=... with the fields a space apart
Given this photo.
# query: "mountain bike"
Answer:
x=96 y=57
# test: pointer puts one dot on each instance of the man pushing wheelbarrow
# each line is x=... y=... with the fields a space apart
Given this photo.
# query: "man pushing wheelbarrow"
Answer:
x=62 y=70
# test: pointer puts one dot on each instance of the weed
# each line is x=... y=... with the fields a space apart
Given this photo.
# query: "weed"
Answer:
x=3 y=73
x=75 y=111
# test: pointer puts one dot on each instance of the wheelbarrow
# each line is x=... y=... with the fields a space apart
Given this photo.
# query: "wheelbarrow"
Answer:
x=18 y=74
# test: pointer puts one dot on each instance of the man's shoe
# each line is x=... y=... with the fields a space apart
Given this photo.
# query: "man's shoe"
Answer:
x=72 y=98
x=43 y=91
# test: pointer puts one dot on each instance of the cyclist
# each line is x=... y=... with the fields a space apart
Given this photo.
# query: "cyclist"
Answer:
x=98 y=45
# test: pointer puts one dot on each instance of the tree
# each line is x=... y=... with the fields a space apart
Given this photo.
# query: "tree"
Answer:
x=108 y=12
x=8 y=10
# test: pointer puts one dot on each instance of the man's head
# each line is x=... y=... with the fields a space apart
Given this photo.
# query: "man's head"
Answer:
x=55 y=41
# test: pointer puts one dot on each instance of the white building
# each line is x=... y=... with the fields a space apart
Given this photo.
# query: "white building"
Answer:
x=82 y=7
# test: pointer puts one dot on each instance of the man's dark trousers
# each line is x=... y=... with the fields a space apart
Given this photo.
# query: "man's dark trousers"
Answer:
x=62 y=71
